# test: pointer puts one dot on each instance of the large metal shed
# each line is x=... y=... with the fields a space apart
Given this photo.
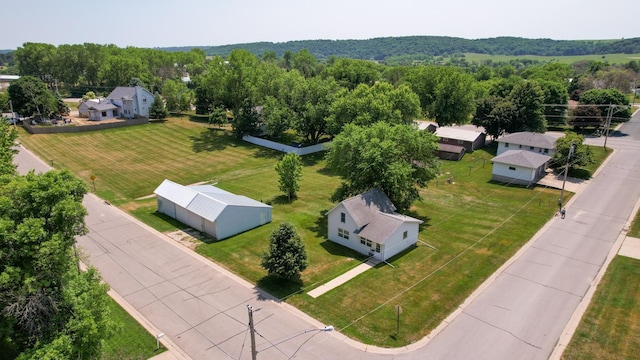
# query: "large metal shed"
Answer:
x=211 y=210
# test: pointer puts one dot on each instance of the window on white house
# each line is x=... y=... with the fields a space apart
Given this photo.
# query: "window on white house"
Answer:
x=512 y=168
x=104 y=113
x=363 y=241
x=343 y=234
x=506 y=144
x=377 y=248
x=405 y=234
x=531 y=148
x=343 y=217
x=369 y=243
x=144 y=100
x=546 y=151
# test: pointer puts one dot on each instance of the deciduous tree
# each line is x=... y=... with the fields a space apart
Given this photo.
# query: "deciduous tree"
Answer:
x=399 y=159
x=581 y=154
x=30 y=96
x=287 y=256
x=289 y=170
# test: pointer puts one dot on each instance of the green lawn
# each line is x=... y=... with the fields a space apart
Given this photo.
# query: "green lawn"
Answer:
x=131 y=341
x=634 y=231
x=610 y=327
x=474 y=224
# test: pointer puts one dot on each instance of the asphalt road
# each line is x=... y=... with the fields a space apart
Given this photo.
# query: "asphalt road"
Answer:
x=520 y=313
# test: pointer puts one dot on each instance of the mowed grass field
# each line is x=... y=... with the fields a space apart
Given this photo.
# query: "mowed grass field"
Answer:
x=609 y=328
x=471 y=226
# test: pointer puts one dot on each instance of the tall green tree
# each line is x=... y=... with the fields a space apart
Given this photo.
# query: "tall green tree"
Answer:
x=366 y=105
x=396 y=158
x=312 y=107
x=527 y=98
x=49 y=309
x=350 y=73
x=8 y=136
x=446 y=93
x=606 y=97
x=289 y=170
x=157 y=109
x=177 y=95
x=30 y=96
x=580 y=156
x=287 y=255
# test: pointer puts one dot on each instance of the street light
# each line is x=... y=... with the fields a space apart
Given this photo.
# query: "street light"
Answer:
x=252 y=330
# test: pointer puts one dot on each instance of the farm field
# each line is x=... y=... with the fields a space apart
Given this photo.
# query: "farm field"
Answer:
x=610 y=58
x=472 y=226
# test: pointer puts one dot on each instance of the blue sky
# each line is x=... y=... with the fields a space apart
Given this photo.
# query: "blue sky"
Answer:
x=162 y=23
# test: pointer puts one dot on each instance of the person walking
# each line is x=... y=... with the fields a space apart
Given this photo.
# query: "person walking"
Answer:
x=563 y=212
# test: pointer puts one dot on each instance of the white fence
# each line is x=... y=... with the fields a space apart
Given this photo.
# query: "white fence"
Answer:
x=287 y=148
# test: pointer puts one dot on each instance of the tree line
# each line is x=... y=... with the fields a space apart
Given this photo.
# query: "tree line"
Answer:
x=385 y=47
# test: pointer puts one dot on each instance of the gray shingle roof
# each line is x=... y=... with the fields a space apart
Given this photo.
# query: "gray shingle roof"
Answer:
x=122 y=92
x=374 y=214
x=530 y=139
x=102 y=106
x=522 y=158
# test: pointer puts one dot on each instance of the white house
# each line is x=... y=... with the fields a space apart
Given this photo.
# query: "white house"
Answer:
x=520 y=167
x=528 y=141
x=133 y=101
x=211 y=210
x=369 y=224
x=98 y=109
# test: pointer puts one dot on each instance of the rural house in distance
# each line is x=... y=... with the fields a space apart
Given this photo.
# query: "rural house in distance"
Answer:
x=126 y=102
x=211 y=210
x=368 y=224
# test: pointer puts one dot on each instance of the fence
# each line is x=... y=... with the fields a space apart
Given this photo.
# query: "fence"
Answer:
x=35 y=129
x=287 y=148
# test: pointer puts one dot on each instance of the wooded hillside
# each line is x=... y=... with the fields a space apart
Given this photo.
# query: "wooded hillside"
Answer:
x=381 y=48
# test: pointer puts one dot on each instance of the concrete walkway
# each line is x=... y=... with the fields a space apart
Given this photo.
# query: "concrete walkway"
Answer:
x=630 y=248
x=343 y=278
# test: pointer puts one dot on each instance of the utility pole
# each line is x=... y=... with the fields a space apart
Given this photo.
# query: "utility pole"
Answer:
x=252 y=330
x=608 y=124
x=566 y=169
x=13 y=115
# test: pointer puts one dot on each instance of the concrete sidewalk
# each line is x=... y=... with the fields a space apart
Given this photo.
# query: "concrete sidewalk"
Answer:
x=370 y=263
x=630 y=248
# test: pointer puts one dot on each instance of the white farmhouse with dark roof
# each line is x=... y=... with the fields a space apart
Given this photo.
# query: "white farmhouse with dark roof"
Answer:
x=211 y=210
x=369 y=224
x=528 y=141
x=132 y=101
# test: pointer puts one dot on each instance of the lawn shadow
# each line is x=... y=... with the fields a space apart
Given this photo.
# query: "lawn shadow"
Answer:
x=339 y=250
x=312 y=159
x=263 y=152
x=211 y=139
x=327 y=172
x=425 y=219
x=320 y=225
x=280 y=200
x=279 y=288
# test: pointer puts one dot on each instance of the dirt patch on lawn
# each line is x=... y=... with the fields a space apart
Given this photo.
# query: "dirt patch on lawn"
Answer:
x=189 y=238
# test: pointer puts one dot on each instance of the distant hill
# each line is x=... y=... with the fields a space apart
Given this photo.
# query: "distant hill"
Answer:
x=381 y=48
